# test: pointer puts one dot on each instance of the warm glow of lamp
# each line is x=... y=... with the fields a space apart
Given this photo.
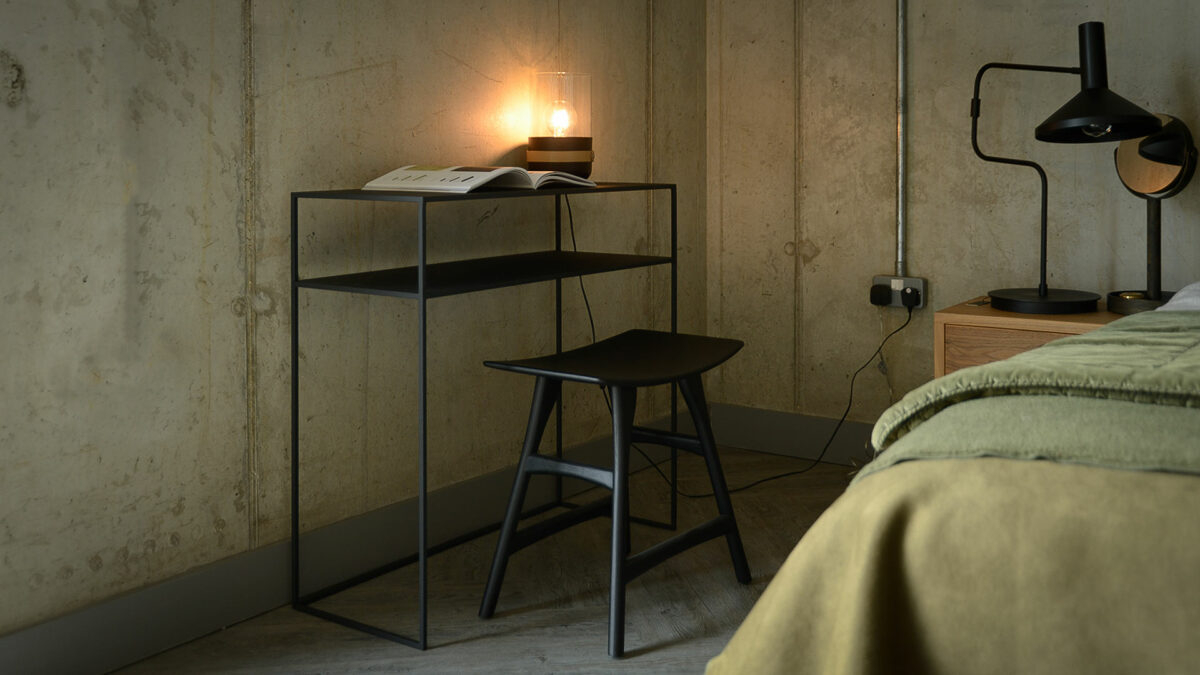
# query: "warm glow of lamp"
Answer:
x=561 y=139
x=562 y=118
x=511 y=119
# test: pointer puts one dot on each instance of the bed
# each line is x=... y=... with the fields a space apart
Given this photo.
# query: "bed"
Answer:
x=1036 y=515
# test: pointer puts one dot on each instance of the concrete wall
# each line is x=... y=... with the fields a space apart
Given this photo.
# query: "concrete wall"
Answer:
x=150 y=148
x=801 y=184
x=342 y=93
x=124 y=420
x=802 y=187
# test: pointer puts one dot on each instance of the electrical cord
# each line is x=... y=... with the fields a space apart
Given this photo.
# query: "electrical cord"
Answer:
x=909 y=302
x=582 y=290
x=592 y=323
x=832 y=435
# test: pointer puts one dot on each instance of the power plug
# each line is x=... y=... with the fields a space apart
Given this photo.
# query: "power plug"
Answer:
x=892 y=291
x=881 y=295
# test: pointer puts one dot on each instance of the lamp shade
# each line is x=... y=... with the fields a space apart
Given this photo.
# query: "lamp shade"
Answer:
x=1154 y=168
x=561 y=137
x=1172 y=145
x=1095 y=114
x=1150 y=176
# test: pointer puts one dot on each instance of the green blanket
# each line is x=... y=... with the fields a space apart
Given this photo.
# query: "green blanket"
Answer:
x=1123 y=396
x=998 y=565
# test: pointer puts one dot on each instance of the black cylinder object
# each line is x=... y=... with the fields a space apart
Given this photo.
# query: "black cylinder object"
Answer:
x=1092 y=61
x=572 y=154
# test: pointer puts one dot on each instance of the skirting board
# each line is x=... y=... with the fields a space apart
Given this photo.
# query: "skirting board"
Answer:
x=132 y=626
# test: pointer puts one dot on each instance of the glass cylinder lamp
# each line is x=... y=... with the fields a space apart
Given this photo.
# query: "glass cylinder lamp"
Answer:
x=561 y=138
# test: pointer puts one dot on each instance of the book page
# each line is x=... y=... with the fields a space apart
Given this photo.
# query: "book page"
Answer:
x=460 y=179
x=542 y=178
x=420 y=178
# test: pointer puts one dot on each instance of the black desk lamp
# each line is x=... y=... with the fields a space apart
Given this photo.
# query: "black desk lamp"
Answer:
x=1094 y=115
x=1154 y=168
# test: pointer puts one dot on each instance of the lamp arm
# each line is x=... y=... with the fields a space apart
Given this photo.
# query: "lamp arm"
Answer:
x=1042 y=288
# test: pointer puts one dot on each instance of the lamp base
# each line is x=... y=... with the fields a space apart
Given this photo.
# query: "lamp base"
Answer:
x=569 y=154
x=1055 y=301
x=1132 y=302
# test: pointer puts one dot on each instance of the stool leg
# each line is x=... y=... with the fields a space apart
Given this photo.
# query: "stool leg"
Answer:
x=624 y=403
x=545 y=395
x=693 y=395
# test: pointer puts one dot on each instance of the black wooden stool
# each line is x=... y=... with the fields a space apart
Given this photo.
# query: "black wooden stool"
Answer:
x=637 y=358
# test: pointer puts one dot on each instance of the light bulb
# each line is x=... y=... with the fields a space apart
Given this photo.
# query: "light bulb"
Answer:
x=1096 y=130
x=560 y=133
x=561 y=118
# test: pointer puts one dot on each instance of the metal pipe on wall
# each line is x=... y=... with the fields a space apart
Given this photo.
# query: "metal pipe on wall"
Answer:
x=901 y=133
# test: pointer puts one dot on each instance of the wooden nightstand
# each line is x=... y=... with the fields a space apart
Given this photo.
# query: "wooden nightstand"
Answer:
x=972 y=334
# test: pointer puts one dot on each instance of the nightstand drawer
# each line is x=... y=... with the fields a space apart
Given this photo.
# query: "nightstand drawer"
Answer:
x=972 y=333
x=974 y=345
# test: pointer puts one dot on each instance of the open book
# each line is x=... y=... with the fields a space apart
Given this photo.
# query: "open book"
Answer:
x=417 y=178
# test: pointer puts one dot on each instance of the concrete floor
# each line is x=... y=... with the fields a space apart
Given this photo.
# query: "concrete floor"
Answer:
x=552 y=615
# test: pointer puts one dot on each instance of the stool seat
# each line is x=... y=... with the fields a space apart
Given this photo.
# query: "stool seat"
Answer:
x=635 y=358
x=622 y=364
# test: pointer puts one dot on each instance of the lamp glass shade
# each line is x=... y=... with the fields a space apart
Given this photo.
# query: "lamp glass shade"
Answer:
x=562 y=105
x=561 y=135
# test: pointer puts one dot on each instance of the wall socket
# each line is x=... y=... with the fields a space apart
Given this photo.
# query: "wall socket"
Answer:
x=886 y=290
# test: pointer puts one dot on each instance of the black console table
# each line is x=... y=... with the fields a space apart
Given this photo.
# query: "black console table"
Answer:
x=421 y=283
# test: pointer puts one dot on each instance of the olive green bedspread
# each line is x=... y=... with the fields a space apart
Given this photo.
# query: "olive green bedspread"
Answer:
x=976 y=560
